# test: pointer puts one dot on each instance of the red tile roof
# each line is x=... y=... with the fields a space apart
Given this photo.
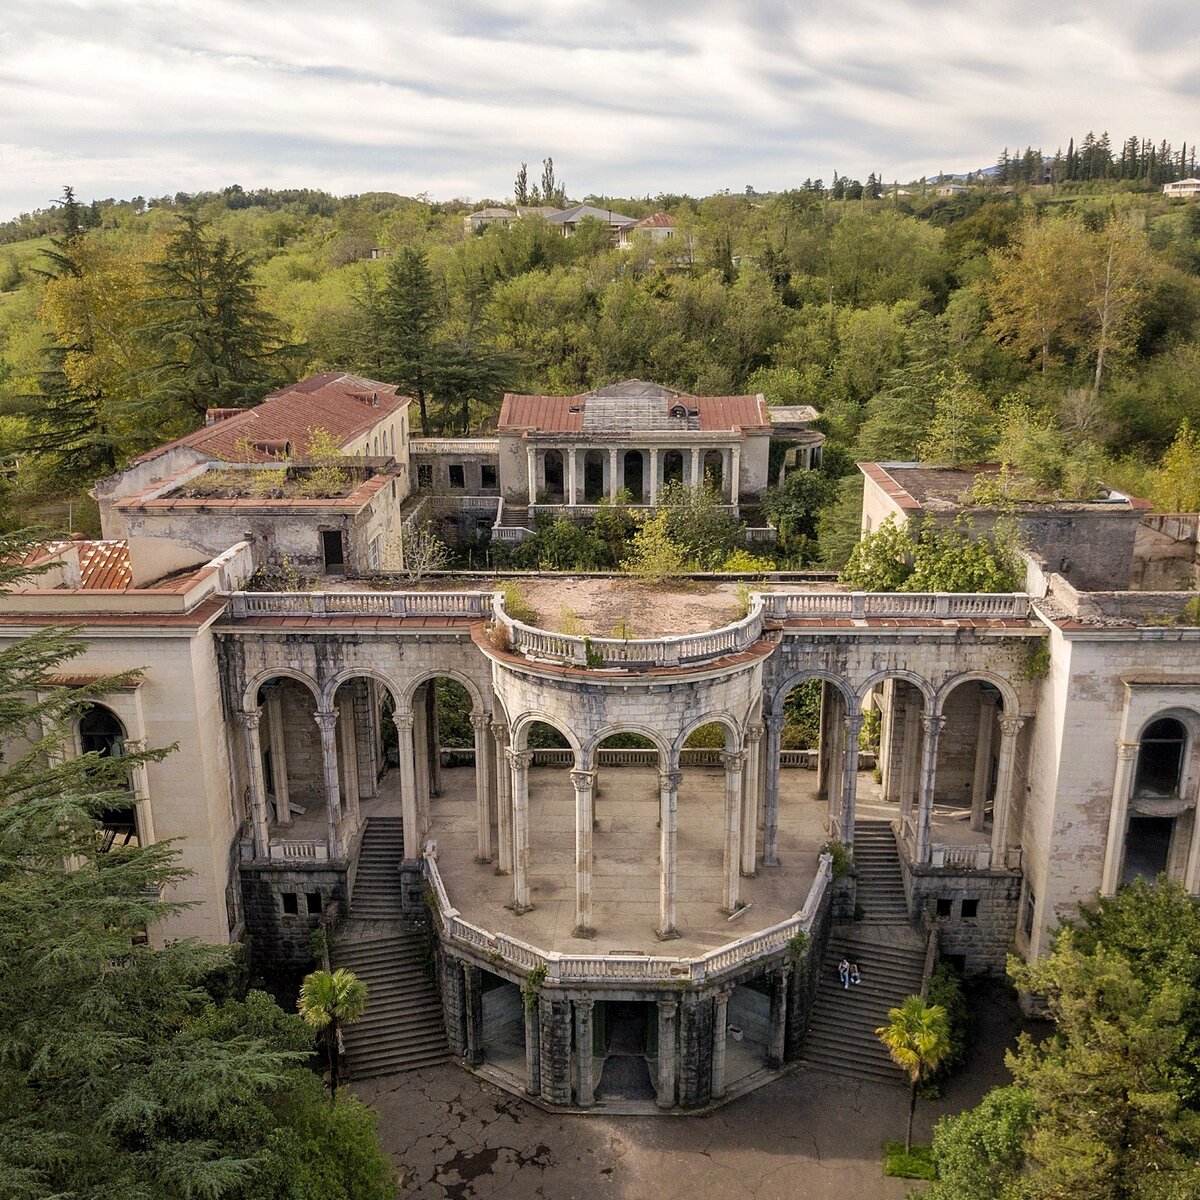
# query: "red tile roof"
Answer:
x=658 y=221
x=344 y=405
x=102 y=564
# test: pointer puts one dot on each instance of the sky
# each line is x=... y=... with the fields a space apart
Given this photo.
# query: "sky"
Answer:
x=150 y=97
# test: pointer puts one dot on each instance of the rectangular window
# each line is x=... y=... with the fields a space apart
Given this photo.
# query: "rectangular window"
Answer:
x=373 y=552
x=291 y=903
x=1030 y=910
x=944 y=906
x=425 y=475
x=458 y=475
x=313 y=900
x=970 y=910
x=487 y=476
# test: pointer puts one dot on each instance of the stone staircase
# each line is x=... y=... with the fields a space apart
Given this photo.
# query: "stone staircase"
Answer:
x=515 y=515
x=880 y=886
x=402 y=1027
x=890 y=954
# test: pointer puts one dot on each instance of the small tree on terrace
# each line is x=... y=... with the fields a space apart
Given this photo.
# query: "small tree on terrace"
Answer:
x=329 y=1000
x=917 y=1036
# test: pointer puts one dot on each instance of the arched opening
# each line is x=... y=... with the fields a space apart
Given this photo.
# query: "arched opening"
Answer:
x=714 y=470
x=1160 y=758
x=634 y=471
x=552 y=467
x=293 y=768
x=967 y=768
x=551 y=821
x=101 y=733
x=704 y=882
x=503 y=1023
x=593 y=476
x=673 y=466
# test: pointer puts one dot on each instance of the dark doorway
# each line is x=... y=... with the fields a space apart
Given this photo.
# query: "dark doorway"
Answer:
x=630 y=1033
x=672 y=467
x=633 y=476
x=714 y=462
x=333 y=551
x=1160 y=758
x=1147 y=844
x=593 y=477
x=552 y=465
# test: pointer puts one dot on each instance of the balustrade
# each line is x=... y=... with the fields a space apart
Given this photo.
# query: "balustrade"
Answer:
x=424 y=604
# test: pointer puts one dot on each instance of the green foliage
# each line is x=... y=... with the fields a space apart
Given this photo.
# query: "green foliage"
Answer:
x=980 y=1154
x=1036 y=665
x=654 y=555
x=1175 y=485
x=531 y=988
x=743 y=562
x=697 y=523
x=794 y=510
x=917 y=1036
x=330 y=1000
x=802 y=716
x=916 y=1162
x=797 y=946
x=946 y=990
x=516 y=606
x=883 y=559
x=843 y=860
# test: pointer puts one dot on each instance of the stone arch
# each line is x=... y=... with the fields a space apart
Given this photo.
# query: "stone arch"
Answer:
x=780 y=694
x=329 y=691
x=250 y=695
x=927 y=690
x=1008 y=695
x=1188 y=717
x=410 y=687
x=587 y=753
x=519 y=730
x=733 y=731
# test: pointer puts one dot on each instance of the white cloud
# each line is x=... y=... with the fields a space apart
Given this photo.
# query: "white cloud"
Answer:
x=119 y=97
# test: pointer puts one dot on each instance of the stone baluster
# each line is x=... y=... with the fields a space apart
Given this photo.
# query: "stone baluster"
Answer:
x=327 y=723
x=668 y=827
x=929 y=748
x=735 y=761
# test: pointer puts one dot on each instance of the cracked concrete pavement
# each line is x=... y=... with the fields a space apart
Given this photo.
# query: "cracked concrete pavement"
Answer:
x=807 y=1136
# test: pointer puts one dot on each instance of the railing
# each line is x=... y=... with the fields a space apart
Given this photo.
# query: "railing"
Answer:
x=779 y=606
x=601 y=653
x=298 y=851
x=479 y=504
x=693 y=757
x=962 y=858
x=453 y=446
x=390 y=604
x=620 y=968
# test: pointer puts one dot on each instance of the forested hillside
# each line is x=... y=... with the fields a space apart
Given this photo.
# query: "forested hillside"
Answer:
x=1053 y=327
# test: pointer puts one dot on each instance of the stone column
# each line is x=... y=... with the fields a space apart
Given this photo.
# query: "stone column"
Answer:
x=668 y=822
x=139 y=785
x=473 y=995
x=778 y=1021
x=348 y=760
x=1114 y=850
x=533 y=1045
x=275 y=734
x=933 y=727
x=421 y=762
x=408 y=783
x=910 y=757
x=754 y=735
x=771 y=817
x=696 y=469
x=481 y=723
x=531 y=468
x=983 y=758
x=833 y=750
x=854 y=722
x=254 y=777
x=571 y=454
x=585 y=1092
x=504 y=861
x=519 y=761
x=555 y=1066
x=584 y=816
x=720 y=1023
x=735 y=475
x=652 y=454
x=612 y=473
x=667 y=1008
x=734 y=761
x=825 y=727
x=889 y=732
x=327 y=723
x=1002 y=806
x=1191 y=870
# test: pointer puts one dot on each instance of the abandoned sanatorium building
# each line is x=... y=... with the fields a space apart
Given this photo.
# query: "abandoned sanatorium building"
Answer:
x=613 y=925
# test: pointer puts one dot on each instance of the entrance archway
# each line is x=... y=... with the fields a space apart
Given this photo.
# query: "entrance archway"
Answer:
x=634 y=470
x=673 y=466
x=552 y=470
x=593 y=477
x=714 y=471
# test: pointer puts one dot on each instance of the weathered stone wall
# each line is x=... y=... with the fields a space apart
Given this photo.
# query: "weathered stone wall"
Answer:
x=279 y=941
x=982 y=941
x=805 y=979
x=695 y=1050
x=555 y=1030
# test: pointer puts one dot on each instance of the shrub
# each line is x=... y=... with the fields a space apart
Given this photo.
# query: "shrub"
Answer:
x=843 y=860
x=946 y=989
x=516 y=605
x=917 y=1163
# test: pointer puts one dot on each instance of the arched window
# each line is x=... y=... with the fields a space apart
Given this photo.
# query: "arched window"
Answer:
x=1160 y=758
x=100 y=732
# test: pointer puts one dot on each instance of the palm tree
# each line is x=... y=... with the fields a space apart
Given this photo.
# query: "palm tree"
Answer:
x=329 y=1000
x=917 y=1037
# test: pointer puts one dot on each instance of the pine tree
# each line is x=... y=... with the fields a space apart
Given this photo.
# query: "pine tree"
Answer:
x=213 y=342
x=521 y=186
x=408 y=315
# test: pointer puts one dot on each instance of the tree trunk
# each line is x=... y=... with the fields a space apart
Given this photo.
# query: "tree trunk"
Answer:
x=335 y=1063
x=912 y=1108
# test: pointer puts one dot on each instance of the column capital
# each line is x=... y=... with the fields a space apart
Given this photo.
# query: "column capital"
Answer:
x=721 y=995
x=854 y=720
x=249 y=720
x=734 y=760
x=138 y=745
x=932 y=724
x=519 y=760
x=326 y=719
x=775 y=722
x=403 y=721
x=670 y=780
x=1128 y=750
x=668 y=1007
x=754 y=733
x=583 y=780
x=500 y=730
x=1011 y=726
x=480 y=721
x=584 y=1005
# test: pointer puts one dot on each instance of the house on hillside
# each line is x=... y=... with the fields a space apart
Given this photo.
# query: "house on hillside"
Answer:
x=1182 y=187
x=568 y=220
x=658 y=228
